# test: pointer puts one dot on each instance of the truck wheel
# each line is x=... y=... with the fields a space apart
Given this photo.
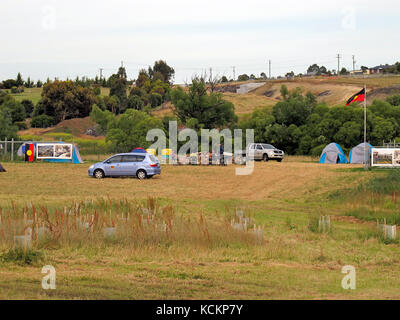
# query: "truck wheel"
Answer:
x=279 y=160
x=265 y=157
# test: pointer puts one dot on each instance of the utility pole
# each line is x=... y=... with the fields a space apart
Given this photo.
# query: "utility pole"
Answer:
x=101 y=73
x=338 y=63
x=234 y=73
x=365 y=128
x=269 y=62
x=122 y=64
x=210 y=74
x=354 y=63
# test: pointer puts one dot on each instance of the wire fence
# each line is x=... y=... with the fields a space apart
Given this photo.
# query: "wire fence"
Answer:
x=92 y=150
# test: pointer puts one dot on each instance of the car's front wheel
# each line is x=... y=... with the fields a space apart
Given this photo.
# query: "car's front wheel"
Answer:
x=265 y=157
x=99 y=174
x=141 y=174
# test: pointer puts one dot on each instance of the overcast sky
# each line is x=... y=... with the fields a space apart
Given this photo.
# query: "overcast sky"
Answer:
x=49 y=38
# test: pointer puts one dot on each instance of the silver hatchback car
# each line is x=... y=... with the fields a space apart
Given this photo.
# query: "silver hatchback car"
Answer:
x=141 y=165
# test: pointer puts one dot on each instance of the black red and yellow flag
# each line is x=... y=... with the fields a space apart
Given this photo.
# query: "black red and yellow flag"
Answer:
x=29 y=152
x=360 y=96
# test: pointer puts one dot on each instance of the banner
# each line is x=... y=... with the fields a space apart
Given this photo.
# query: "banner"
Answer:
x=385 y=157
x=54 y=151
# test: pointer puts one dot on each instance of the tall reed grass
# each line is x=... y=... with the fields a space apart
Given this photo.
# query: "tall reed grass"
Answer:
x=377 y=198
x=107 y=222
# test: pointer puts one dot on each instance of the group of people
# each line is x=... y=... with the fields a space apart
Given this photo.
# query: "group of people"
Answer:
x=205 y=158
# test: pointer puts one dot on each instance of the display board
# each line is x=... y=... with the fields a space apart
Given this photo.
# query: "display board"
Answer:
x=54 y=151
x=385 y=157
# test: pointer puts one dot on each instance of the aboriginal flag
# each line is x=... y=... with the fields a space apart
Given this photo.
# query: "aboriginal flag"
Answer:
x=360 y=96
x=29 y=149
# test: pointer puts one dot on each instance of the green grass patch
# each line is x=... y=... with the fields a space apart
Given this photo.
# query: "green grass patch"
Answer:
x=22 y=257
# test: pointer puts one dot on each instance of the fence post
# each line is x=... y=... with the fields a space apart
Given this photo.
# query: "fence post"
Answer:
x=12 y=149
x=5 y=146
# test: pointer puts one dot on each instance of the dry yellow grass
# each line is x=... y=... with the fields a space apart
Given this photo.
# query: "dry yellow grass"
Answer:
x=55 y=183
x=247 y=103
x=291 y=263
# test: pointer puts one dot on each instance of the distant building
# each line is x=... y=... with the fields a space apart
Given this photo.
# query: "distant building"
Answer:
x=356 y=72
x=379 y=69
x=311 y=74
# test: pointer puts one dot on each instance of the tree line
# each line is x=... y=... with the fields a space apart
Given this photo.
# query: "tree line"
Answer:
x=297 y=124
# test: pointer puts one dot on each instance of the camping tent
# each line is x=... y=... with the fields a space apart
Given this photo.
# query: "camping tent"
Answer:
x=139 y=150
x=357 y=153
x=2 y=168
x=74 y=158
x=333 y=153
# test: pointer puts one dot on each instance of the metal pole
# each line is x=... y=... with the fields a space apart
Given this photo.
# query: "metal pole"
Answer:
x=12 y=149
x=5 y=146
x=365 y=128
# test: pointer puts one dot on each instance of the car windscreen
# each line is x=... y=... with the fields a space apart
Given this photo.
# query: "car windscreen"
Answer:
x=268 y=146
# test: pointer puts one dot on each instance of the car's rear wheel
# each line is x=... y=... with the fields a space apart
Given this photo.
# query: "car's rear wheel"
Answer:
x=99 y=174
x=265 y=157
x=141 y=174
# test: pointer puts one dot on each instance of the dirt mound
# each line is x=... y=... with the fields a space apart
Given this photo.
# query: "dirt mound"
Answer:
x=330 y=92
x=78 y=127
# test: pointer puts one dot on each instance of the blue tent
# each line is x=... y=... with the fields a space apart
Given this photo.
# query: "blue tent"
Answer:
x=139 y=150
x=357 y=153
x=333 y=153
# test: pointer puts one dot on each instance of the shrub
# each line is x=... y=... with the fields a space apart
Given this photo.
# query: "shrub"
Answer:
x=21 y=125
x=42 y=121
x=28 y=105
x=155 y=99
x=20 y=256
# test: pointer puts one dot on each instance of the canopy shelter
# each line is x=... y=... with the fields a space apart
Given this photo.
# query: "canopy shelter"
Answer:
x=357 y=153
x=333 y=153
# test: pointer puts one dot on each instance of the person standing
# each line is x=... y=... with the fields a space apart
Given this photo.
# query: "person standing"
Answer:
x=221 y=155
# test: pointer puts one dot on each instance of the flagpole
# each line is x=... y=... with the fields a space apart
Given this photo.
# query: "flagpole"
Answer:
x=365 y=128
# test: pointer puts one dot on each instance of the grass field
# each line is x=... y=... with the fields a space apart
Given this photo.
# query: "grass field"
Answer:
x=291 y=262
x=33 y=94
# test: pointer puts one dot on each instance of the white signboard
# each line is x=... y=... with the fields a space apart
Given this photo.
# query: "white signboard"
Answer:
x=385 y=157
x=53 y=151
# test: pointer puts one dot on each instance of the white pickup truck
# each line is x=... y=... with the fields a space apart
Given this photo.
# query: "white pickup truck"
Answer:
x=264 y=151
